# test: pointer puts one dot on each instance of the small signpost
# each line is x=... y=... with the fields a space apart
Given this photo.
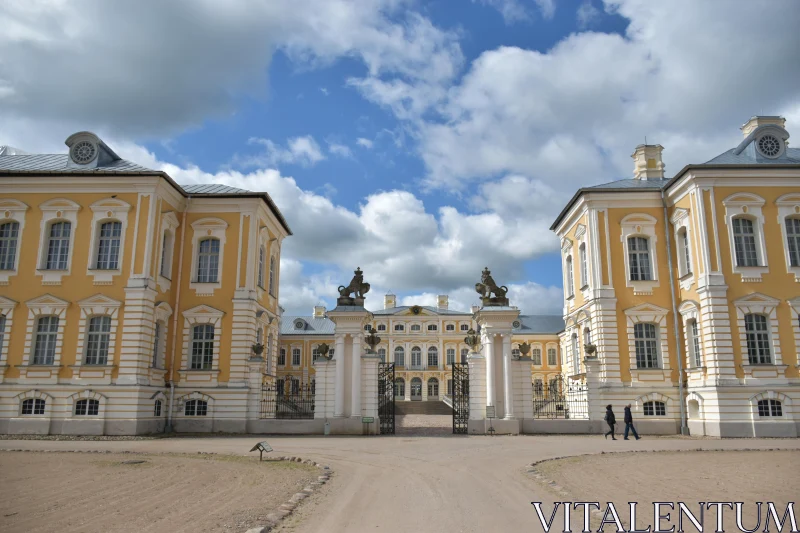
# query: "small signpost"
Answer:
x=490 y=413
x=261 y=447
x=367 y=419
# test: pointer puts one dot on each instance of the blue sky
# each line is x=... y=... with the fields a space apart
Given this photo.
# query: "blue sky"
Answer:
x=419 y=140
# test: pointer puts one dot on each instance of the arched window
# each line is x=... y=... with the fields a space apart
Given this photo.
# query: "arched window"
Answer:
x=415 y=327
x=382 y=354
x=33 y=406
x=464 y=354
x=272 y=275
x=108 y=246
x=196 y=408
x=166 y=255
x=400 y=356
x=58 y=246
x=695 y=354
x=576 y=354
x=9 y=234
x=552 y=357
x=433 y=327
x=744 y=242
x=156 y=345
x=399 y=388
x=208 y=261
x=639 y=259
x=157 y=408
x=584 y=266
x=538 y=387
x=449 y=387
x=515 y=353
x=282 y=357
x=381 y=327
x=366 y=328
x=88 y=407
x=296 y=356
x=97 y=340
x=685 y=255
x=399 y=327
x=770 y=408
x=416 y=357
x=262 y=265
x=433 y=356
x=758 y=350
x=464 y=327
x=451 y=356
x=644 y=334
x=433 y=388
x=792 y=238
x=2 y=331
x=655 y=408
x=536 y=356
x=268 y=351
x=449 y=327
x=44 y=351
x=570 y=277
x=202 y=357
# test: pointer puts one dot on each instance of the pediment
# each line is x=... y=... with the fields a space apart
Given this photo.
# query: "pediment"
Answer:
x=110 y=203
x=99 y=300
x=580 y=231
x=47 y=300
x=63 y=204
x=7 y=204
x=757 y=298
x=679 y=214
x=646 y=309
x=7 y=303
x=743 y=198
x=793 y=198
x=210 y=222
x=420 y=311
x=203 y=310
x=638 y=218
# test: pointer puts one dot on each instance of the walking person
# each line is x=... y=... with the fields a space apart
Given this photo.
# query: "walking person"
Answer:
x=629 y=423
x=610 y=420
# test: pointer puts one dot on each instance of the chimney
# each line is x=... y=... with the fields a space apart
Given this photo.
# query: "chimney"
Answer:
x=389 y=301
x=475 y=309
x=441 y=302
x=319 y=311
x=647 y=164
x=754 y=122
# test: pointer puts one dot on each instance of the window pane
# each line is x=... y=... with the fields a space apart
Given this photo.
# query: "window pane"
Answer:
x=744 y=241
x=695 y=338
x=9 y=232
x=208 y=261
x=202 y=357
x=433 y=356
x=757 y=336
x=584 y=267
x=156 y=344
x=793 y=237
x=399 y=356
x=108 y=246
x=58 y=246
x=551 y=357
x=536 y=356
x=45 y=347
x=646 y=346
x=639 y=259
x=97 y=340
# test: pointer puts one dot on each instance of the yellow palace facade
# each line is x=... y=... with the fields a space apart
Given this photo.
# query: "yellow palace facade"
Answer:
x=129 y=302
x=689 y=288
x=421 y=341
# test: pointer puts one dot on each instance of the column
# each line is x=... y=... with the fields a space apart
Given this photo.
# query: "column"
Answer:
x=489 y=349
x=355 y=398
x=508 y=397
x=338 y=409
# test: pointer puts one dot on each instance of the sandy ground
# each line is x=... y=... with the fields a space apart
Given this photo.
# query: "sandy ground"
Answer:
x=424 y=425
x=396 y=484
x=690 y=477
x=100 y=492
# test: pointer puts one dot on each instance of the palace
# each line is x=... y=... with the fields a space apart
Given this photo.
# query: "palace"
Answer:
x=689 y=288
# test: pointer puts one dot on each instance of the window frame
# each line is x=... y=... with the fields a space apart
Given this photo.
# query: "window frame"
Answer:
x=200 y=360
x=402 y=351
x=89 y=406
x=433 y=355
x=203 y=230
x=749 y=206
x=105 y=211
x=97 y=337
x=758 y=338
x=9 y=245
x=450 y=356
x=654 y=406
x=166 y=248
x=584 y=266
x=643 y=226
x=12 y=210
x=768 y=407
x=49 y=357
x=643 y=340
x=195 y=405
x=262 y=265
x=570 y=283
x=554 y=359
x=297 y=355
x=55 y=211
x=35 y=406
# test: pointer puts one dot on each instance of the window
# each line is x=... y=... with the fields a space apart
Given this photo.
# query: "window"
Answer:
x=449 y=387
x=576 y=363
x=644 y=334
x=282 y=357
x=295 y=356
x=156 y=344
x=792 y=236
x=449 y=327
x=570 y=278
x=415 y=327
x=433 y=387
x=686 y=258
x=87 y=407
x=97 y=340
x=655 y=408
x=464 y=327
x=552 y=358
x=755 y=327
x=587 y=336
x=694 y=344
x=381 y=327
x=262 y=264
x=33 y=406
x=451 y=356
x=280 y=387
x=166 y=256
x=464 y=354
x=2 y=331
x=584 y=266
x=433 y=327
x=196 y=408
x=157 y=408
x=9 y=233
x=399 y=388
x=515 y=353
x=272 y=275
x=44 y=351
x=536 y=356
x=259 y=335
x=416 y=356
x=639 y=259
x=744 y=242
x=770 y=408
x=366 y=328
x=538 y=387
x=58 y=246
x=433 y=356
x=202 y=347
x=208 y=261
x=382 y=354
x=108 y=246
x=269 y=351
x=399 y=327
x=399 y=356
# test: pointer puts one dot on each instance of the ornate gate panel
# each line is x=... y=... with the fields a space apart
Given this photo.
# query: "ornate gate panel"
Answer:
x=386 y=397
x=460 y=397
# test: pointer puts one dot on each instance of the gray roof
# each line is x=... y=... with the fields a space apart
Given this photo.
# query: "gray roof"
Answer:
x=752 y=157
x=313 y=326
x=540 y=324
x=434 y=310
x=631 y=184
x=58 y=163
x=213 y=188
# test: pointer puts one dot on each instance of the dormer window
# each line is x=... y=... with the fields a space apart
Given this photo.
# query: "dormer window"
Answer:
x=769 y=146
x=299 y=324
x=83 y=152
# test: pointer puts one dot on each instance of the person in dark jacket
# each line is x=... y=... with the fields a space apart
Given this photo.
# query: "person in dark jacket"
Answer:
x=629 y=423
x=610 y=420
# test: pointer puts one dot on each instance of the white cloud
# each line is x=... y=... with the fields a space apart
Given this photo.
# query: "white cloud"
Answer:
x=340 y=150
x=323 y=90
x=516 y=10
x=299 y=151
x=364 y=143
x=587 y=14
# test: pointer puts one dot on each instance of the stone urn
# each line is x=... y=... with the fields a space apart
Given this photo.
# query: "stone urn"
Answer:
x=590 y=349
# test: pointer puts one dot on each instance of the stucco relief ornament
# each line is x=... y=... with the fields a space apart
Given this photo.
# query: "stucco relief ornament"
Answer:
x=372 y=340
x=323 y=350
x=487 y=287
x=472 y=340
x=353 y=294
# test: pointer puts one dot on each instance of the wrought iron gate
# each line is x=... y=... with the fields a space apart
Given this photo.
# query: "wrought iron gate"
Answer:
x=460 y=397
x=386 y=397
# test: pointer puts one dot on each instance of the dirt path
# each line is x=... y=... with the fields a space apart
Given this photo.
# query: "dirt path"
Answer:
x=427 y=484
x=142 y=493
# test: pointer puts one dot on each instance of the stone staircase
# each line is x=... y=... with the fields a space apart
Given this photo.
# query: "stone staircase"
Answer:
x=402 y=408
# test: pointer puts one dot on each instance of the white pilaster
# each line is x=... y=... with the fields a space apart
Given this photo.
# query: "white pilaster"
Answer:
x=488 y=349
x=355 y=384
x=338 y=409
x=508 y=396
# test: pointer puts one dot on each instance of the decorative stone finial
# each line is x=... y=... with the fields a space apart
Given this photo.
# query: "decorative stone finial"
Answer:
x=472 y=340
x=323 y=350
x=487 y=287
x=372 y=339
x=524 y=348
x=353 y=294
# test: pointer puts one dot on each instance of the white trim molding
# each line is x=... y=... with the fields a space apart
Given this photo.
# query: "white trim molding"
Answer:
x=653 y=314
x=786 y=407
x=208 y=227
x=180 y=405
x=761 y=304
x=107 y=210
x=794 y=310
x=747 y=205
x=788 y=206
x=681 y=222
x=640 y=225
x=7 y=306
x=169 y=223
x=201 y=314
x=690 y=310
x=654 y=397
x=56 y=210
x=88 y=394
x=97 y=305
x=12 y=211
x=35 y=394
